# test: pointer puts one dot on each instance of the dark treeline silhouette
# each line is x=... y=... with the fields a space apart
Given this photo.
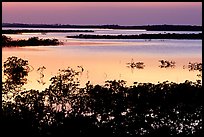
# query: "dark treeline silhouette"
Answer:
x=33 y=41
x=141 y=36
x=113 y=109
x=40 y=31
x=145 y=27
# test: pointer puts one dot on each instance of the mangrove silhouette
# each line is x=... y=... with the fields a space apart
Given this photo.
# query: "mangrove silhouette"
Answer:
x=167 y=64
x=163 y=27
x=40 y=70
x=194 y=66
x=112 y=109
x=33 y=41
x=140 y=36
x=132 y=64
x=19 y=31
x=15 y=70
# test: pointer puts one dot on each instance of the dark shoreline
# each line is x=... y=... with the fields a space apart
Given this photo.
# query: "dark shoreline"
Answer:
x=141 y=36
x=33 y=41
x=163 y=27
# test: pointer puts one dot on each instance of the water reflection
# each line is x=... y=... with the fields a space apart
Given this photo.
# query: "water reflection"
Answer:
x=101 y=61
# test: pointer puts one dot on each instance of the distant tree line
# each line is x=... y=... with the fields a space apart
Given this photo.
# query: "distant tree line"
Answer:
x=112 y=109
x=33 y=41
x=163 y=27
x=140 y=36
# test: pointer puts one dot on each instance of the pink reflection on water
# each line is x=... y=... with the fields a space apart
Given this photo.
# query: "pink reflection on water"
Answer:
x=100 y=66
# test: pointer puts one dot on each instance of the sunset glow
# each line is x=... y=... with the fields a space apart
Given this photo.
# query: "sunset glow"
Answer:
x=122 y=13
x=102 y=68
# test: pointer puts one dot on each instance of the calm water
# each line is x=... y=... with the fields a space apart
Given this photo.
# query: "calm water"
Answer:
x=106 y=59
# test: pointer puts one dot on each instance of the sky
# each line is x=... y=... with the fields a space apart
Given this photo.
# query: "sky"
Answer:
x=100 y=13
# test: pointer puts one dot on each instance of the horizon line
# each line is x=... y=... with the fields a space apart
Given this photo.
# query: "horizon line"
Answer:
x=97 y=24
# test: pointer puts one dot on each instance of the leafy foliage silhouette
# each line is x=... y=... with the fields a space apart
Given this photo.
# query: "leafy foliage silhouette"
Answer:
x=16 y=70
x=112 y=109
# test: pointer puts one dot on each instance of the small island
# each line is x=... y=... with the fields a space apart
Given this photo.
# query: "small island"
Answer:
x=141 y=36
x=33 y=41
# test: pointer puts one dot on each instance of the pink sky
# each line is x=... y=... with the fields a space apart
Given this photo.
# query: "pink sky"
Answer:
x=122 y=13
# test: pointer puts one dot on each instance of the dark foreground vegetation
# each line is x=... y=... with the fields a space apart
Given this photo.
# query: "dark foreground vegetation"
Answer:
x=164 y=27
x=141 y=36
x=113 y=109
x=41 y=31
x=33 y=41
